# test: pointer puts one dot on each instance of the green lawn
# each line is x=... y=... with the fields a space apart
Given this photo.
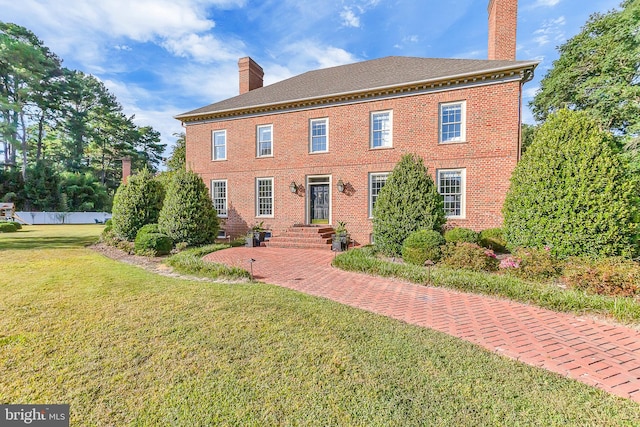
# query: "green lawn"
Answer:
x=127 y=347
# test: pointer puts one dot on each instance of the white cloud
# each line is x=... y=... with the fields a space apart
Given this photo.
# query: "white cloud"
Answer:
x=551 y=30
x=530 y=92
x=349 y=19
x=546 y=3
x=122 y=47
x=309 y=54
x=203 y=49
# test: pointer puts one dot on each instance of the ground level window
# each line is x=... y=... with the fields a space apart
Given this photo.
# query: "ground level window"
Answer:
x=376 y=182
x=219 y=196
x=264 y=200
x=451 y=185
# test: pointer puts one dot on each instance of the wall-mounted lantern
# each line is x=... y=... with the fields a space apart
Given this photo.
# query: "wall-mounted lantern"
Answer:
x=293 y=187
x=340 y=186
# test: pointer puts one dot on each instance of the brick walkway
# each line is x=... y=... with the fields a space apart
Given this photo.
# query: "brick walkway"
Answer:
x=595 y=353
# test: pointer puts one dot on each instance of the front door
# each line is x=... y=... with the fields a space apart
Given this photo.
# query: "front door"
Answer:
x=319 y=200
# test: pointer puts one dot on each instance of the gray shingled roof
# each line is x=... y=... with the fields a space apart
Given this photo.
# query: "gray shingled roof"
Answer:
x=377 y=73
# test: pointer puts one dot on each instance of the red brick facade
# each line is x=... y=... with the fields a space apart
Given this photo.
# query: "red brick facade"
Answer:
x=489 y=155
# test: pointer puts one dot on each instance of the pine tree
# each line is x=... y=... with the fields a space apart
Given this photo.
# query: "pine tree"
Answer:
x=409 y=201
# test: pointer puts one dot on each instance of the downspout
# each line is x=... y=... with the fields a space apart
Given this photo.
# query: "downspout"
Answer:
x=527 y=76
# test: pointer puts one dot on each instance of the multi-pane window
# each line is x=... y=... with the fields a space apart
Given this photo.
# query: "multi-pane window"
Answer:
x=219 y=145
x=318 y=135
x=219 y=196
x=265 y=141
x=451 y=183
x=264 y=199
x=452 y=122
x=376 y=182
x=381 y=127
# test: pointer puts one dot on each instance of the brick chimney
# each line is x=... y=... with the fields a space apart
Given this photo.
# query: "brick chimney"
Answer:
x=251 y=74
x=503 y=17
x=126 y=169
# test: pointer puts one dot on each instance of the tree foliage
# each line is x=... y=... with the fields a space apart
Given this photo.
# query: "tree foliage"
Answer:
x=572 y=191
x=188 y=214
x=178 y=157
x=136 y=203
x=63 y=117
x=409 y=201
x=598 y=71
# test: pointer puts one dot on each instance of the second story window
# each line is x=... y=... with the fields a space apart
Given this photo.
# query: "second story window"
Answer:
x=318 y=130
x=219 y=145
x=265 y=141
x=452 y=122
x=381 y=129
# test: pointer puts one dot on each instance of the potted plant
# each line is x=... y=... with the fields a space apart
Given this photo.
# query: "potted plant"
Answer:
x=259 y=232
x=340 y=240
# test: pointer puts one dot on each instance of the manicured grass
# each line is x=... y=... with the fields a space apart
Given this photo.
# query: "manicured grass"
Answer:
x=51 y=236
x=127 y=347
x=549 y=296
x=190 y=262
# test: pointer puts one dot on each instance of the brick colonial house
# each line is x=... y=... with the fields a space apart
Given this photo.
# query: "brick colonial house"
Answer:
x=317 y=148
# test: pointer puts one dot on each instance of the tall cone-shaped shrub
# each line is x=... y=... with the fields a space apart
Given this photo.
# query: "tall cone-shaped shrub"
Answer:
x=136 y=203
x=572 y=191
x=188 y=214
x=409 y=201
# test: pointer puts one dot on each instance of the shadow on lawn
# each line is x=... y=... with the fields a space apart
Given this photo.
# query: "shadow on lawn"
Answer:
x=18 y=241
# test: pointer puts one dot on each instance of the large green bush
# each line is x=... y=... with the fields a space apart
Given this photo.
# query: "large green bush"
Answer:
x=151 y=242
x=572 y=192
x=409 y=201
x=136 y=203
x=461 y=234
x=188 y=214
x=8 y=227
x=422 y=245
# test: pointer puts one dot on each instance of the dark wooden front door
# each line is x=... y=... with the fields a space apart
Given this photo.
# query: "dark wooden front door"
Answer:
x=319 y=204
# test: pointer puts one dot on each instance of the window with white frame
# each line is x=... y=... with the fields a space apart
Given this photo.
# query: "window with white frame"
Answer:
x=265 y=141
x=376 y=182
x=451 y=185
x=264 y=197
x=219 y=196
x=381 y=129
x=452 y=122
x=318 y=136
x=219 y=145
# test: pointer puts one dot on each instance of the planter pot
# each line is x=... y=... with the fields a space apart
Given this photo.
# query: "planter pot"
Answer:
x=251 y=242
x=340 y=243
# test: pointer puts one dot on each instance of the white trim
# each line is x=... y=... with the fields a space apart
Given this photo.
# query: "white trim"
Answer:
x=370 y=197
x=326 y=123
x=258 y=140
x=307 y=203
x=213 y=145
x=463 y=122
x=226 y=197
x=463 y=190
x=257 y=199
x=371 y=115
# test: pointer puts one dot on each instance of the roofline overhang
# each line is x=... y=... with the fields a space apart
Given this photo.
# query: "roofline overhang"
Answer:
x=524 y=69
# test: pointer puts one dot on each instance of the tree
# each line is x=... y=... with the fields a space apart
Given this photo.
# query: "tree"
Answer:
x=409 y=201
x=572 y=191
x=188 y=214
x=42 y=188
x=179 y=154
x=527 y=134
x=136 y=203
x=598 y=71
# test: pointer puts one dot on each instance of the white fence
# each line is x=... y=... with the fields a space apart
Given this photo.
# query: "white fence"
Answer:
x=64 y=217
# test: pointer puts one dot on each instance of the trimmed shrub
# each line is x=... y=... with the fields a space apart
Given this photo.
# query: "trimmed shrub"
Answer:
x=536 y=264
x=610 y=276
x=461 y=234
x=153 y=244
x=469 y=256
x=8 y=227
x=493 y=238
x=408 y=201
x=573 y=191
x=17 y=225
x=149 y=228
x=422 y=245
x=136 y=203
x=188 y=214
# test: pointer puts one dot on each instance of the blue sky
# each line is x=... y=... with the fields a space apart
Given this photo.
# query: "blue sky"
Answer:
x=164 y=57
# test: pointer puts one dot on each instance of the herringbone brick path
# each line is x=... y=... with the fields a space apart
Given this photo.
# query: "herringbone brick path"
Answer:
x=596 y=353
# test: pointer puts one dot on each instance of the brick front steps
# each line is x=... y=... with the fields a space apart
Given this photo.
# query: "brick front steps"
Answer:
x=303 y=237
